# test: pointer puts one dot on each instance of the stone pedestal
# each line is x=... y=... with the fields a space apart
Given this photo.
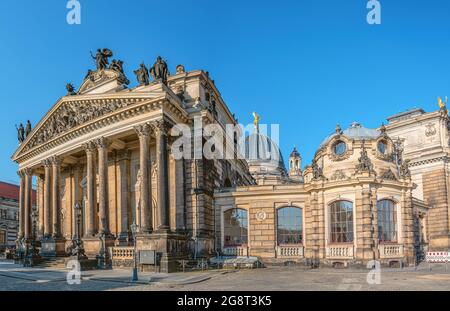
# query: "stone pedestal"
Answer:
x=122 y=240
x=170 y=248
x=53 y=247
x=93 y=245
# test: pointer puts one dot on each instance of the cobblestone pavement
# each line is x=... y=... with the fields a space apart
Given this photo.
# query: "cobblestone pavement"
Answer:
x=272 y=278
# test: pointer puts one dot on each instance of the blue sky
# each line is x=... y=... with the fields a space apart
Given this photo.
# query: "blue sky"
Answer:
x=304 y=64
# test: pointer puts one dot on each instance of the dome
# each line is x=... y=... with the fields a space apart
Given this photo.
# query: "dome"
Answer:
x=264 y=155
x=355 y=131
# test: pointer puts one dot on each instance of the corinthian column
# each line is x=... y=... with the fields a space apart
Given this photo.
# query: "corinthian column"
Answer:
x=56 y=199
x=143 y=132
x=28 y=198
x=48 y=230
x=102 y=145
x=90 y=189
x=161 y=128
x=21 y=232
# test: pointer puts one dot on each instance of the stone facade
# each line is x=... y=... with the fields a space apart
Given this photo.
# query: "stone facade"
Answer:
x=425 y=138
x=108 y=149
x=362 y=174
x=369 y=194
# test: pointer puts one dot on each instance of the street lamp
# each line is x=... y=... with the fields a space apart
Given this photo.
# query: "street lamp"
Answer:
x=134 y=230
x=31 y=253
x=78 y=250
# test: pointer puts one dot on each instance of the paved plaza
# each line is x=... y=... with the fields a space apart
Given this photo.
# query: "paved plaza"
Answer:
x=14 y=277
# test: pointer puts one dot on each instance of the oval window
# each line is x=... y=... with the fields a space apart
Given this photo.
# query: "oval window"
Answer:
x=340 y=148
x=382 y=147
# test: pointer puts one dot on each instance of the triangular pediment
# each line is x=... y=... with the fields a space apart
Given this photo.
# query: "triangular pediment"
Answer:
x=101 y=81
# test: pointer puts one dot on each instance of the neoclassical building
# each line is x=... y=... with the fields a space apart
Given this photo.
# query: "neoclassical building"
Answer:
x=369 y=194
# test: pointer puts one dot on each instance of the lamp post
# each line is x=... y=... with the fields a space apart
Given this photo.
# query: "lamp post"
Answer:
x=134 y=229
x=31 y=252
x=77 y=244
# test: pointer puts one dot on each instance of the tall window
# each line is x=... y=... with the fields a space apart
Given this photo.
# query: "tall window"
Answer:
x=235 y=227
x=387 y=220
x=341 y=220
x=289 y=225
x=2 y=237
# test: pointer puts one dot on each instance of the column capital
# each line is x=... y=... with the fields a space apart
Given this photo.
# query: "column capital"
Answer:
x=55 y=160
x=90 y=147
x=161 y=126
x=47 y=163
x=102 y=143
x=21 y=173
x=28 y=171
x=143 y=130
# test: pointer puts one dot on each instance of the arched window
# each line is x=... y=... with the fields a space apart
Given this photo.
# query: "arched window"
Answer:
x=289 y=225
x=341 y=222
x=387 y=220
x=235 y=227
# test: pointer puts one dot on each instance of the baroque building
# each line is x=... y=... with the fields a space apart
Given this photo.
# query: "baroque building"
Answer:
x=369 y=194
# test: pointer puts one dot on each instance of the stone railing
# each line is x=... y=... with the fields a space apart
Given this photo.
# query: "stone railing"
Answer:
x=340 y=251
x=122 y=253
x=290 y=251
x=390 y=250
x=235 y=251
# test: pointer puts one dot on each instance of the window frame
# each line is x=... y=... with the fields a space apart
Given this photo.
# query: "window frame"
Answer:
x=336 y=219
x=245 y=235
x=336 y=144
x=393 y=222
x=289 y=208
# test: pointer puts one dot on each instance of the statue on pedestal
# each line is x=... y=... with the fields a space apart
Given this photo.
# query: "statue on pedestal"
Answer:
x=28 y=129
x=117 y=66
x=20 y=133
x=101 y=58
x=142 y=75
x=70 y=89
x=160 y=71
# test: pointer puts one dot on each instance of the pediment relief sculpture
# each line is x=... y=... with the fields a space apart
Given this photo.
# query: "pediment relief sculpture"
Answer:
x=388 y=175
x=338 y=175
x=72 y=114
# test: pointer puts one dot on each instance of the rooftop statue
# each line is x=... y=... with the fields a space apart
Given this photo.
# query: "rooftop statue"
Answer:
x=28 y=128
x=142 y=75
x=70 y=89
x=256 y=118
x=101 y=58
x=160 y=71
x=117 y=66
x=443 y=105
x=364 y=163
x=20 y=133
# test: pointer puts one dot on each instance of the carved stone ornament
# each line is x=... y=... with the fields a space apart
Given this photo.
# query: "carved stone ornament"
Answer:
x=261 y=215
x=388 y=175
x=430 y=130
x=338 y=175
x=143 y=129
x=404 y=169
x=364 y=162
x=317 y=171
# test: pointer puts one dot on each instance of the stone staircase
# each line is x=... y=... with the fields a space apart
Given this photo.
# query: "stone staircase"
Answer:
x=52 y=263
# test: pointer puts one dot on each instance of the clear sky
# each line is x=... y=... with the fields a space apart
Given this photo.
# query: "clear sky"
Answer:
x=304 y=64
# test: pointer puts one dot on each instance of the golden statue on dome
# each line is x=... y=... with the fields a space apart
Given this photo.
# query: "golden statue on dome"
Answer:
x=256 y=118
